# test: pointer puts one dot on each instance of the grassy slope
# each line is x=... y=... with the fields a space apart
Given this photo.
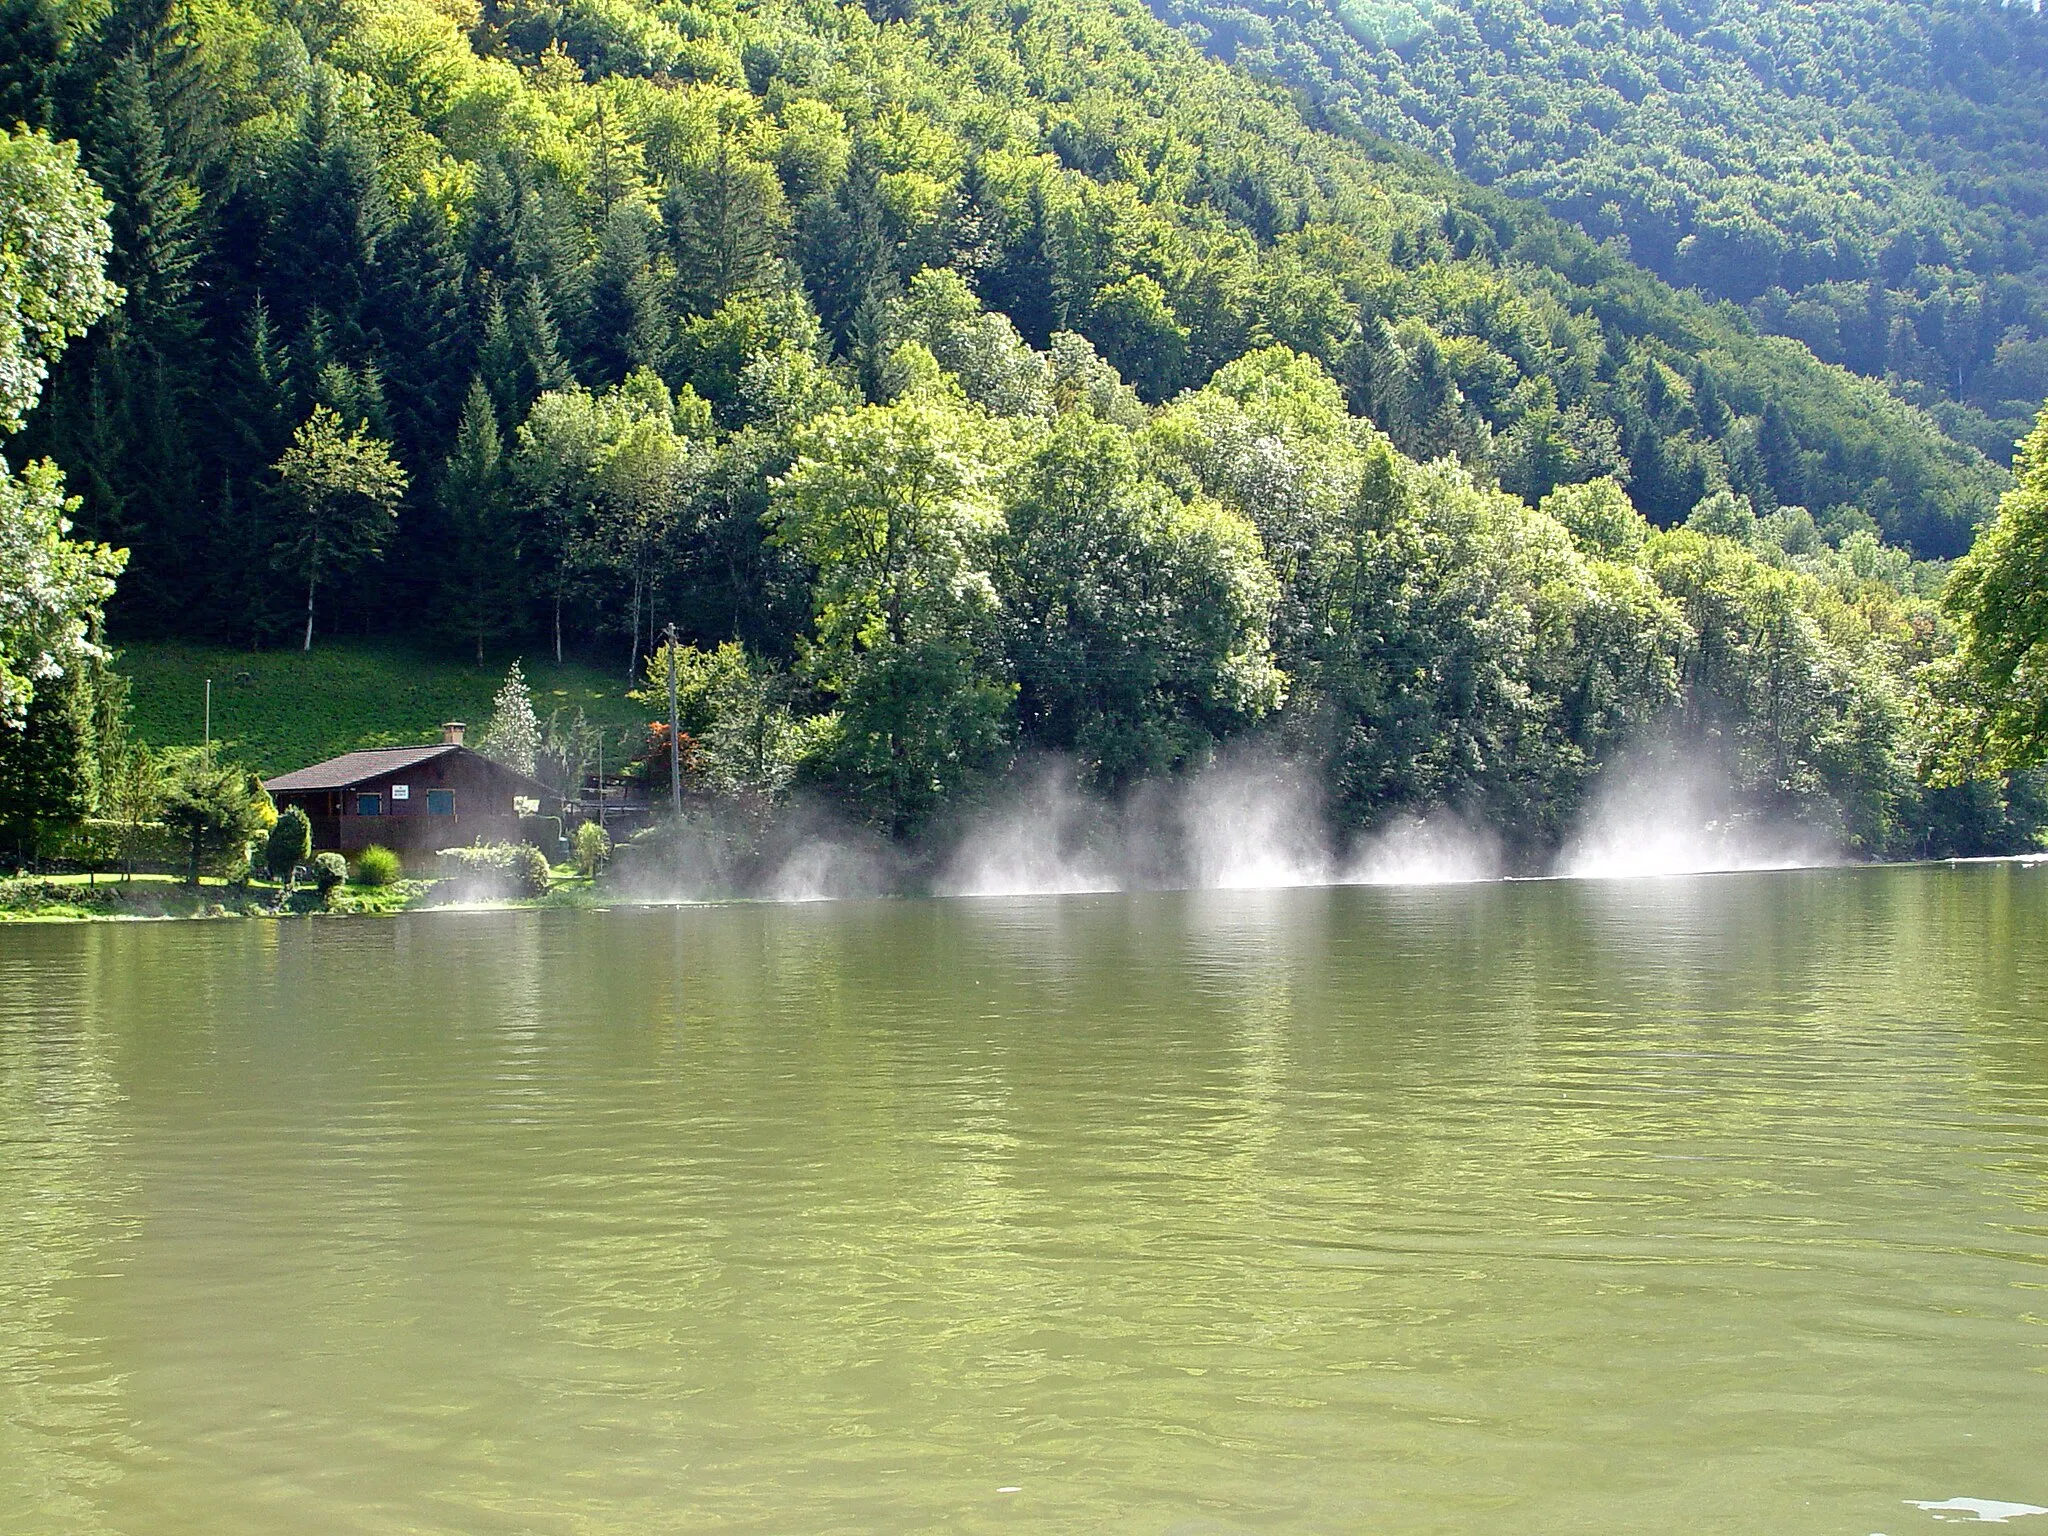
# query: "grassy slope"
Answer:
x=280 y=710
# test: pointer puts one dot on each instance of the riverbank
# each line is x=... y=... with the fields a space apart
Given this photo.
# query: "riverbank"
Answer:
x=158 y=898
x=73 y=898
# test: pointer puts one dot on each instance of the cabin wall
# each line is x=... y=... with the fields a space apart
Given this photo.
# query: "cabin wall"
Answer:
x=483 y=811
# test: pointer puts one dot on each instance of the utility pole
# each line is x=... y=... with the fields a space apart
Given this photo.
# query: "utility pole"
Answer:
x=675 y=732
x=207 y=735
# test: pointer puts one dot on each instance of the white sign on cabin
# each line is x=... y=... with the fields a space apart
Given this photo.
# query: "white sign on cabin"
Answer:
x=401 y=791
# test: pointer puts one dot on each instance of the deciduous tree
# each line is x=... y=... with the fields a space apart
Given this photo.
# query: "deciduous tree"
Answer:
x=342 y=490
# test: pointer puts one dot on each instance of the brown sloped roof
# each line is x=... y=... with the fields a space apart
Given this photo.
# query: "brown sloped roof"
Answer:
x=351 y=768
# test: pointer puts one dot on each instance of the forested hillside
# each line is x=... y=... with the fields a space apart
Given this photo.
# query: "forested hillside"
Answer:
x=961 y=380
x=1868 y=178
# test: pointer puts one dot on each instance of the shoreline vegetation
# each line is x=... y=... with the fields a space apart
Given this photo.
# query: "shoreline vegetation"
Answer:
x=145 y=898
x=165 y=898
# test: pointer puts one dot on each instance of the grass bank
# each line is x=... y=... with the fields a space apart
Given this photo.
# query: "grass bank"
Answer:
x=78 y=898
x=279 y=710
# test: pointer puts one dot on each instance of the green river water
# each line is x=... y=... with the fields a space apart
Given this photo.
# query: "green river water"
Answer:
x=1685 y=1205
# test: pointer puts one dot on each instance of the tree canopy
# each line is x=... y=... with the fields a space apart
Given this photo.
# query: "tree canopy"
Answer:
x=1865 y=178
x=1999 y=598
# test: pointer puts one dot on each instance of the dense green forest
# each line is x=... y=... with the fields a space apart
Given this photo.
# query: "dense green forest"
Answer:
x=960 y=380
x=1865 y=177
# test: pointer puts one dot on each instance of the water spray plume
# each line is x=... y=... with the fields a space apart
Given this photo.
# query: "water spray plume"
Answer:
x=1437 y=849
x=1657 y=815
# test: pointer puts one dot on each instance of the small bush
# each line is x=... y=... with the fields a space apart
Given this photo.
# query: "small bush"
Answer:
x=377 y=865
x=531 y=866
x=31 y=894
x=496 y=869
x=329 y=871
x=593 y=849
x=289 y=843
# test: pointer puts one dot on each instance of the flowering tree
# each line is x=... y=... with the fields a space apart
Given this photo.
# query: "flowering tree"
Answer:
x=512 y=736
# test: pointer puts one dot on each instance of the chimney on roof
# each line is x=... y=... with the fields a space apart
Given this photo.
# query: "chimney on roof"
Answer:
x=451 y=733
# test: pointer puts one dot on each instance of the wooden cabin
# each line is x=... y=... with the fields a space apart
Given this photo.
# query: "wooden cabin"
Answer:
x=413 y=800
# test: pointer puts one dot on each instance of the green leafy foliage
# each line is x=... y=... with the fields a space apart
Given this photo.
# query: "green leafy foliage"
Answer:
x=53 y=588
x=890 y=507
x=1138 y=619
x=1864 y=178
x=593 y=849
x=330 y=872
x=343 y=489
x=54 y=242
x=1995 y=686
x=746 y=741
x=489 y=870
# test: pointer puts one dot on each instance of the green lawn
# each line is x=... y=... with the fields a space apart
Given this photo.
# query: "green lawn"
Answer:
x=279 y=710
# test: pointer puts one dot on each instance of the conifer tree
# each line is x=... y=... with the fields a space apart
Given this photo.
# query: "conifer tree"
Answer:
x=724 y=216
x=423 y=339
x=848 y=257
x=624 y=324
x=477 y=599
x=327 y=223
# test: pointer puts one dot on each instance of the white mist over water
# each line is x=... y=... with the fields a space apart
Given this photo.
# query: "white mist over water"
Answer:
x=824 y=870
x=1251 y=821
x=1656 y=815
x=1043 y=841
x=1254 y=825
x=1437 y=849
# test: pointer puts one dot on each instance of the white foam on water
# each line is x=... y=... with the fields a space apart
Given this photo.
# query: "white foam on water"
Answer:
x=1995 y=1511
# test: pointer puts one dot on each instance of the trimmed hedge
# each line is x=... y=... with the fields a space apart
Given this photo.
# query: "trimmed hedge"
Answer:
x=329 y=871
x=495 y=869
x=96 y=843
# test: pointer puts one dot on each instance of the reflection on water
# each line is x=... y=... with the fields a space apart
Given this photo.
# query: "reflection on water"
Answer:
x=1684 y=1205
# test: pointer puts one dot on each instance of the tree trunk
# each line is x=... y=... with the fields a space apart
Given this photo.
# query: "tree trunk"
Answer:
x=633 y=655
x=310 y=582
